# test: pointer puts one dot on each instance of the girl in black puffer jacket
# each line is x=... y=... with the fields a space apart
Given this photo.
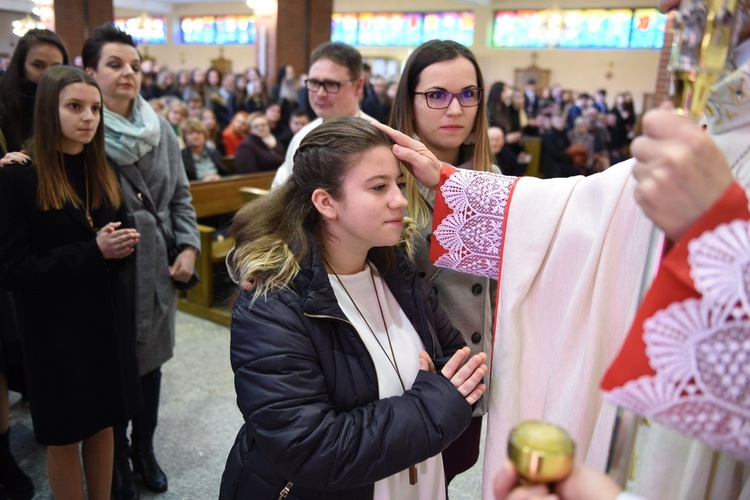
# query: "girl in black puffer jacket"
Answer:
x=349 y=376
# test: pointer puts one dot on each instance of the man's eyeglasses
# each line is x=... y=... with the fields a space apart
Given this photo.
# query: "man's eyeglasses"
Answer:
x=441 y=99
x=330 y=86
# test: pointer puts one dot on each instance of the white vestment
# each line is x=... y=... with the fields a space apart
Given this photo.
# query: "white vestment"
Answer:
x=668 y=464
x=568 y=289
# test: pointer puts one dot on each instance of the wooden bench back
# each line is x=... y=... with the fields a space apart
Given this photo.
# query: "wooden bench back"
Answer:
x=223 y=196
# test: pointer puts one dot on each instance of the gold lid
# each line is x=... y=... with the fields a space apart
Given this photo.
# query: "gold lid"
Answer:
x=541 y=452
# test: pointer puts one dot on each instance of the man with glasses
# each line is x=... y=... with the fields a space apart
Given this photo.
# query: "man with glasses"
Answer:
x=334 y=84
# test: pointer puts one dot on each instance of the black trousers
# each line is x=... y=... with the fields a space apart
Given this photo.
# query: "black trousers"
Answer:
x=144 y=422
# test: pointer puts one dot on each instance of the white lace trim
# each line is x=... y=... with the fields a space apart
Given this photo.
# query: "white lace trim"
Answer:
x=472 y=234
x=700 y=349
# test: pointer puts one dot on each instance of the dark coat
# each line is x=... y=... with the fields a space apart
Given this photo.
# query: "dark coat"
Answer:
x=307 y=388
x=75 y=310
x=253 y=155
x=555 y=162
x=187 y=160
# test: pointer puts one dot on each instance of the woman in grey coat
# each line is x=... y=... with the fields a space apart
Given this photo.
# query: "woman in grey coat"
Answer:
x=147 y=155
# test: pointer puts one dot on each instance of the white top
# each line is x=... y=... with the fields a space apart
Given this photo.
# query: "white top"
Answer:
x=406 y=346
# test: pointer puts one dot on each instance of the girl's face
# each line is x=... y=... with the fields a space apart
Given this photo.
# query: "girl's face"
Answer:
x=39 y=59
x=260 y=127
x=390 y=91
x=273 y=113
x=228 y=83
x=195 y=139
x=213 y=78
x=370 y=211
x=198 y=77
x=444 y=130
x=497 y=139
x=240 y=82
x=518 y=100
x=252 y=75
x=118 y=72
x=176 y=115
x=239 y=124
x=183 y=78
x=209 y=120
x=80 y=113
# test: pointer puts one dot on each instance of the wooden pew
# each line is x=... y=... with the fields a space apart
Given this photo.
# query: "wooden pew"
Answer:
x=210 y=199
x=533 y=146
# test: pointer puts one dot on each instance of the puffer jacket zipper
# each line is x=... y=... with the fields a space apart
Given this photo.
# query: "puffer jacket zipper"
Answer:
x=285 y=492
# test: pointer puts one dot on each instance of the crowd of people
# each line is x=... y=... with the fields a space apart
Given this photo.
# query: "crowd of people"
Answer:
x=376 y=304
x=581 y=133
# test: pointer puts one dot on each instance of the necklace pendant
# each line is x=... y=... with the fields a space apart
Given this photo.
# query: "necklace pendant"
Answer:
x=88 y=218
x=413 y=475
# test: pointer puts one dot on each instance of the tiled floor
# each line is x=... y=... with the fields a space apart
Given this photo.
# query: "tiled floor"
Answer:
x=197 y=423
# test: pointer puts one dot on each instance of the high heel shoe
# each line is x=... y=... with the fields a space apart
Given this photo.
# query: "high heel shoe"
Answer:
x=145 y=464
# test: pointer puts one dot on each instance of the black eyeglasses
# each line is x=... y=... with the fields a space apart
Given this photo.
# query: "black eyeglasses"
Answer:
x=441 y=99
x=330 y=86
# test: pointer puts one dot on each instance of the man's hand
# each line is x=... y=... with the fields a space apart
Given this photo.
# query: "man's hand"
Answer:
x=680 y=171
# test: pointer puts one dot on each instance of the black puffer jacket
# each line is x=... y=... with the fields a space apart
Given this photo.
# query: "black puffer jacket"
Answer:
x=308 y=391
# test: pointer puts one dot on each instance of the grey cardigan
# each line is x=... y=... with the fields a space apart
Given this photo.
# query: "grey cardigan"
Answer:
x=468 y=300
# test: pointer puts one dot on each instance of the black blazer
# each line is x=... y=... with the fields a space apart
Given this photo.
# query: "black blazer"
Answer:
x=187 y=160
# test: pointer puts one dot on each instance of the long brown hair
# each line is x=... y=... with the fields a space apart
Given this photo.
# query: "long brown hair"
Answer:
x=55 y=189
x=402 y=114
x=10 y=85
x=275 y=232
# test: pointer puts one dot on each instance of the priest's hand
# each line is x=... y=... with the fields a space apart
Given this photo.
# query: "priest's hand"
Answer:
x=466 y=376
x=415 y=156
x=680 y=171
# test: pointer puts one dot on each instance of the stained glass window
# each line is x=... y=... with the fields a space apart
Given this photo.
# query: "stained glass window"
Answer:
x=344 y=28
x=456 y=26
x=580 y=29
x=221 y=30
x=647 y=31
x=401 y=29
x=157 y=29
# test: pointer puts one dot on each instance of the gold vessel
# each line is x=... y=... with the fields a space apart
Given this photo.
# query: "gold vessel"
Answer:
x=541 y=452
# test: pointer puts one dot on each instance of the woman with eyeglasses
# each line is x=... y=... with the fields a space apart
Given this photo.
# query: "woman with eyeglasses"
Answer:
x=440 y=100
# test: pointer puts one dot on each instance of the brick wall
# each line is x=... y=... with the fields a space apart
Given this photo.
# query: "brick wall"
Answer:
x=293 y=33
x=75 y=19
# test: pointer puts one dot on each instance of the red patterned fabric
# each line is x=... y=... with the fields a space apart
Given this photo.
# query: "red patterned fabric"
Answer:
x=684 y=362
